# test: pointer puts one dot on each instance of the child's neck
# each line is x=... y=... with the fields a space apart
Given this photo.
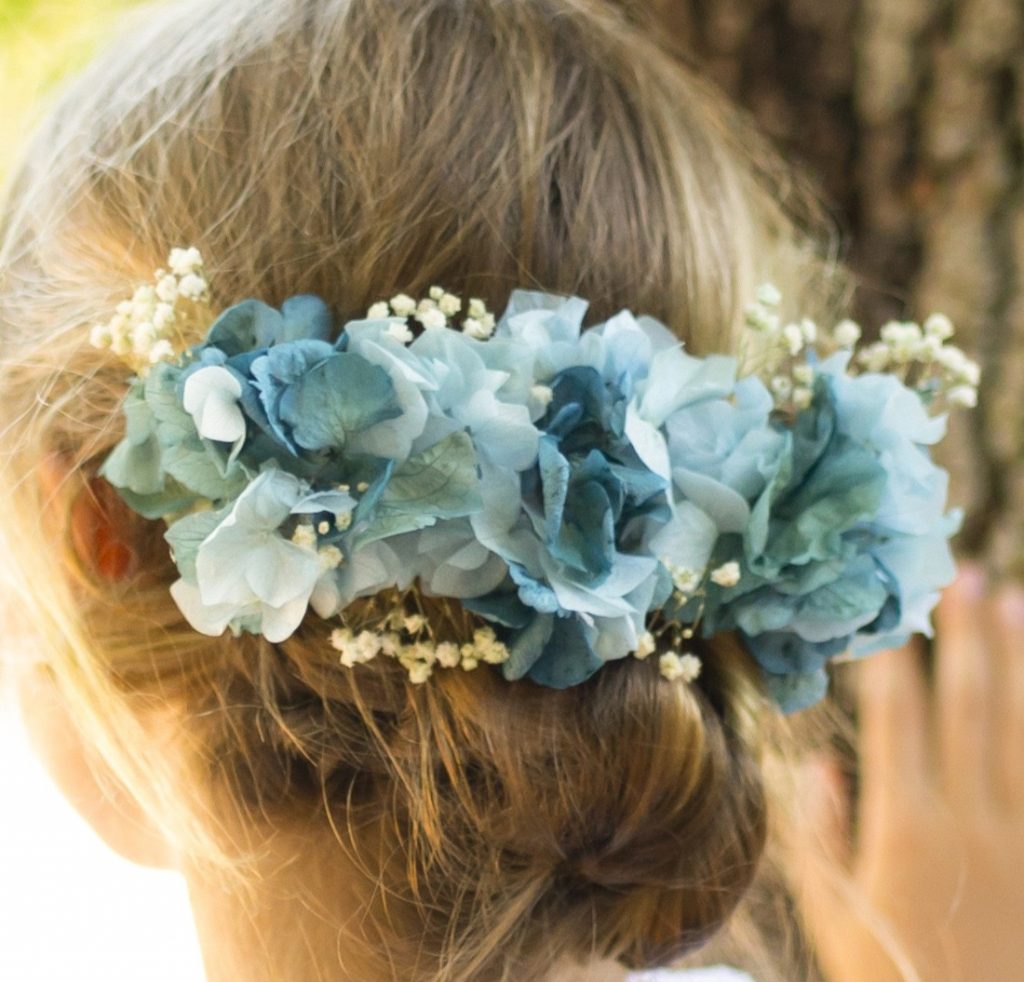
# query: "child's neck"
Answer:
x=303 y=920
x=288 y=923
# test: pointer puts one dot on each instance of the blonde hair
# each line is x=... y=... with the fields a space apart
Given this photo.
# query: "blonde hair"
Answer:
x=352 y=149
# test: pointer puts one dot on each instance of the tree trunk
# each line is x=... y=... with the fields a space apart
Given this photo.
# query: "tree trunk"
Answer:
x=910 y=114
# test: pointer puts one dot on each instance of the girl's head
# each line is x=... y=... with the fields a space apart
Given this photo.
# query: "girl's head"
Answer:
x=471 y=828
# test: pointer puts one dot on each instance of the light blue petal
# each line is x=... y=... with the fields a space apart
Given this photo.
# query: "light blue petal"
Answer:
x=561 y=317
x=245 y=326
x=798 y=690
x=279 y=572
x=302 y=317
x=568 y=658
x=267 y=501
x=342 y=395
x=441 y=482
x=186 y=535
x=527 y=646
x=687 y=540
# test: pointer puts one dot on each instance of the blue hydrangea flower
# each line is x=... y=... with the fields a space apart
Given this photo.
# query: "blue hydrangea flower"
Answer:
x=565 y=534
x=546 y=478
x=829 y=544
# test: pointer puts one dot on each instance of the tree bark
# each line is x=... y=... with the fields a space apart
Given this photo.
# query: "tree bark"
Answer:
x=910 y=114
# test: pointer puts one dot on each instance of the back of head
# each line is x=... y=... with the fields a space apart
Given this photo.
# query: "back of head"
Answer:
x=352 y=149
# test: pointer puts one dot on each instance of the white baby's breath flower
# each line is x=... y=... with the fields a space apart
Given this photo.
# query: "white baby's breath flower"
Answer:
x=497 y=654
x=400 y=332
x=163 y=316
x=144 y=297
x=769 y=295
x=970 y=372
x=449 y=304
x=846 y=333
x=121 y=344
x=645 y=646
x=436 y=292
x=673 y=666
x=954 y=361
x=193 y=287
x=963 y=395
x=474 y=328
x=414 y=623
x=448 y=655
x=927 y=349
x=162 y=350
x=686 y=581
x=420 y=672
x=802 y=397
x=875 y=357
x=939 y=326
x=782 y=386
x=403 y=305
x=432 y=318
x=341 y=637
x=343 y=521
x=378 y=311
x=809 y=330
x=143 y=338
x=891 y=332
x=793 y=338
x=331 y=557
x=541 y=396
x=691 y=666
x=304 y=536
x=421 y=651
x=477 y=309
x=367 y=645
x=484 y=636
x=761 y=319
x=182 y=262
x=166 y=289
x=803 y=374
x=727 y=575
x=100 y=336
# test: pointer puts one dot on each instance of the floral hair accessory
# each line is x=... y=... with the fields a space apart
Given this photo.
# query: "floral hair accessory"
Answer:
x=568 y=497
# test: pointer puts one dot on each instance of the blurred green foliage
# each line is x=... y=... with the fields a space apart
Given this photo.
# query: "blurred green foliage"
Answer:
x=40 y=42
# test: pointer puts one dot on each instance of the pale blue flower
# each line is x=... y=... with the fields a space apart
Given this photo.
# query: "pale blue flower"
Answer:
x=395 y=436
x=253 y=326
x=247 y=568
x=469 y=393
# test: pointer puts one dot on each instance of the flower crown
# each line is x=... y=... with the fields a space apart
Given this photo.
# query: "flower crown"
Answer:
x=568 y=497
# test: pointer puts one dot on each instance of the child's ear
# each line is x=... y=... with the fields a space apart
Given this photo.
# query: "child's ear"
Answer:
x=84 y=779
x=96 y=519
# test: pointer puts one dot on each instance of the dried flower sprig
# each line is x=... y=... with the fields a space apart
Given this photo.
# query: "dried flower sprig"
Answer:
x=148 y=328
x=439 y=309
x=919 y=355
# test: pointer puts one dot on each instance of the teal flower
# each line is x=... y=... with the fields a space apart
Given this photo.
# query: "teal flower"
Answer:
x=566 y=538
x=830 y=556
